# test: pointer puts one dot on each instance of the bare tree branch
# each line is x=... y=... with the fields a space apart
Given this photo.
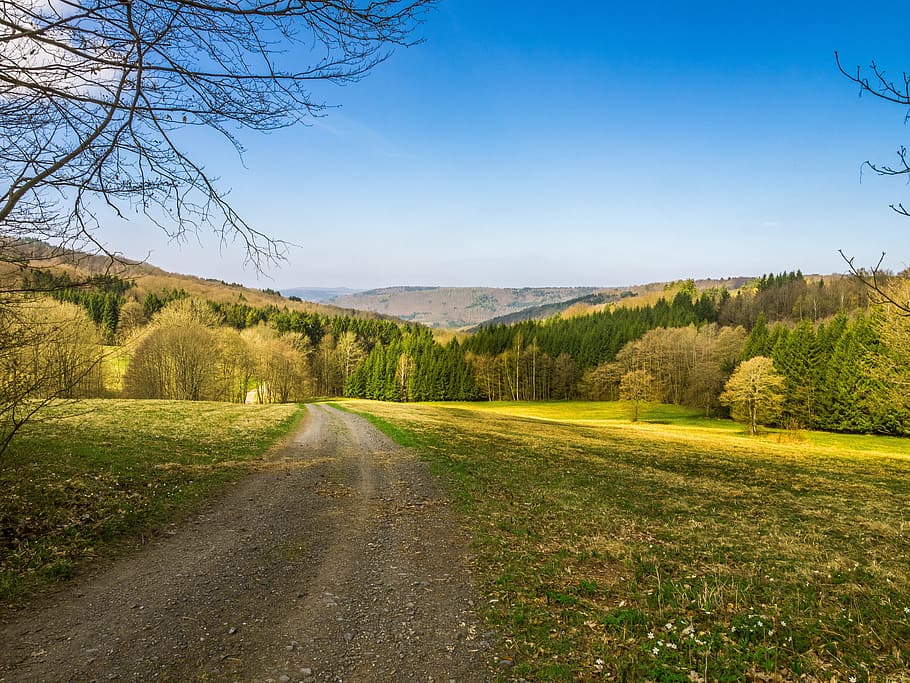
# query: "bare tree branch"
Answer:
x=93 y=91
x=876 y=82
x=877 y=282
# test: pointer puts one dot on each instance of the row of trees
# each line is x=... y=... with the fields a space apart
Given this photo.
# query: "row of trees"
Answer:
x=184 y=354
x=188 y=353
x=848 y=373
x=824 y=366
x=788 y=297
x=525 y=373
x=102 y=296
x=592 y=339
x=684 y=366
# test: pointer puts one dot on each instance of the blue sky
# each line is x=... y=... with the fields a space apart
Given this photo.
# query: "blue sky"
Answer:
x=580 y=143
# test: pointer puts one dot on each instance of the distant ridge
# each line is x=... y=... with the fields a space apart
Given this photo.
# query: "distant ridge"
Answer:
x=467 y=308
x=319 y=294
x=549 y=310
x=456 y=307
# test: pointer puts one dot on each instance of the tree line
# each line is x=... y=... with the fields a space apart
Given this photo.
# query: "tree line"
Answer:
x=414 y=368
x=846 y=371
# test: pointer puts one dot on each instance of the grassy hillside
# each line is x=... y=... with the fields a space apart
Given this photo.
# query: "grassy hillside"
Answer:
x=677 y=549
x=150 y=279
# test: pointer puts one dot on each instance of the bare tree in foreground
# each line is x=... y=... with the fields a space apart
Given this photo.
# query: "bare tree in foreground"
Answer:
x=876 y=82
x=94 y=95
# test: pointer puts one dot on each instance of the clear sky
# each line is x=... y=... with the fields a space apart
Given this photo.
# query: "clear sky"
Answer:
x=581 y=143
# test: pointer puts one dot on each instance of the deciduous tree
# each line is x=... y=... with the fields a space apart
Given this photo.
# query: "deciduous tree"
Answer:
x=174 y=358
x=637 y=387
x=754 y=392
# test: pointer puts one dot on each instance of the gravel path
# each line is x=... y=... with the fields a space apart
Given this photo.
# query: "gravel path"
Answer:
x=339 y=562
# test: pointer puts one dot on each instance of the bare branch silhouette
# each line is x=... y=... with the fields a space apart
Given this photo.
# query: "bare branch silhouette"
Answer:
x=94 y=92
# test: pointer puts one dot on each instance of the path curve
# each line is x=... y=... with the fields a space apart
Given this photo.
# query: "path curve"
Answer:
x=339 y=562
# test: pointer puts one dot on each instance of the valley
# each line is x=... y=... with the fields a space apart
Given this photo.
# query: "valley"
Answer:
x=251 y=431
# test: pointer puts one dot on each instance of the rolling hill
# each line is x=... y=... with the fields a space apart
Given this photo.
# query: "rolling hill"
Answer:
x=452 y=308
x=456 y=307
x=151 y=279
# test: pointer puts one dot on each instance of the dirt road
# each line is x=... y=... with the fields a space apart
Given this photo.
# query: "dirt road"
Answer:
x=339 y=562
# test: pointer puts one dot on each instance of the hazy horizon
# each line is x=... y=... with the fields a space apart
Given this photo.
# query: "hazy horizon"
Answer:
x=484 y=286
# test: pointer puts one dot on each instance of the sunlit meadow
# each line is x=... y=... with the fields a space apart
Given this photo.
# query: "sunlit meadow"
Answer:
x=677 y=548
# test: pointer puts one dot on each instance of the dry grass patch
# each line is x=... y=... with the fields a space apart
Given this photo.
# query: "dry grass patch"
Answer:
x=677 y=550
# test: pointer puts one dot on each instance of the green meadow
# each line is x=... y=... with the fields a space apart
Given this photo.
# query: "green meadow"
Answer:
x=93 y=477
x=676 y=548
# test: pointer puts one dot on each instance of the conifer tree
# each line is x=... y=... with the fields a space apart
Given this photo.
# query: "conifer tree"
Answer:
x=758 y=342
x=795 y=357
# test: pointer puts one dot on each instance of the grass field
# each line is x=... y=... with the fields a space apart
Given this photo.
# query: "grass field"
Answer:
x=677 y=549
x=75 y=489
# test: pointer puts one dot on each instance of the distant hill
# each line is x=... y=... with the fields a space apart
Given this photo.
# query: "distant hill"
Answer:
x=319 y=294
x=584 y=303
x=633 y=295
x=457 y=307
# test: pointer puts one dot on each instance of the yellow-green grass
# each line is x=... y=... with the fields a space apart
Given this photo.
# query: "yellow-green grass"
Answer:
x=677 y=549
x=679 y=423
x=93 y=476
